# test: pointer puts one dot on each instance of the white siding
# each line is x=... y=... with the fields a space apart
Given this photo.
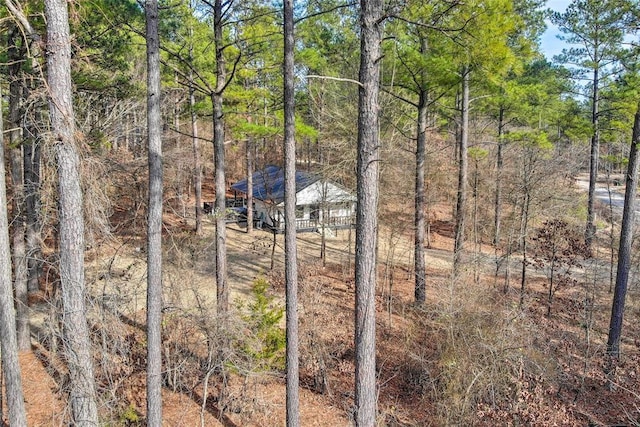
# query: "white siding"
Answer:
x=314 y=193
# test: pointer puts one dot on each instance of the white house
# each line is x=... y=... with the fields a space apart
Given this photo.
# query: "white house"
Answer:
x=319 y=202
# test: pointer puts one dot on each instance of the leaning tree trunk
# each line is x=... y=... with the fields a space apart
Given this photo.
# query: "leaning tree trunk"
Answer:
x=461 y=204
x=626 y=240
x=366 y=214
x=290 y=247
x=77 y=343
x=8 y=342
x=154 y=225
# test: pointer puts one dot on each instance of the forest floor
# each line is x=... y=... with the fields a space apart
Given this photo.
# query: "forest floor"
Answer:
x=471 y=355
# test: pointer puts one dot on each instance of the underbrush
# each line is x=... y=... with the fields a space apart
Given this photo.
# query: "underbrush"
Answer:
x=475 y=357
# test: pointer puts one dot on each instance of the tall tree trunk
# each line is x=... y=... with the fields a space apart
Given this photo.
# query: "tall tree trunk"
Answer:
x=250 y=148
x=154 y=225
x=31 y=164
x=20 y=273
x=461 y=204
x=290 y=247
x=8 y=341
x=367 y=221
x=197 y=162
x=626 y=240
x=419 y=252
x=524 y=231
x=77 y=342
x=590 y=231
x=222 y=292
x=476 y=239
x=499 y=169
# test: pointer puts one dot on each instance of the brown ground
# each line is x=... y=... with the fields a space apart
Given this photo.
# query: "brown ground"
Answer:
x=553 y=371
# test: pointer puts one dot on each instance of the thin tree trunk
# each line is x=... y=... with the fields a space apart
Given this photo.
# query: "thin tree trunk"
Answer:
x=367 y=221
x=290 y=247
x=20 y=273
x=593 y=163
x=499 y=170
x=154 y=225
x=31 y=164
x=626 y=240
x=524 y=232
x=8 y=342
x=20 y=262
x=476 y=242
x=250 y=147
x=419 y=223
x=30 y=146
x=461 y=205
x=222 y=292
x=197 y=163
x=77 y=342
x=551 y=284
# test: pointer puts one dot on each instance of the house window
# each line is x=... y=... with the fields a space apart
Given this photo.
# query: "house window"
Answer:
x=299 y=212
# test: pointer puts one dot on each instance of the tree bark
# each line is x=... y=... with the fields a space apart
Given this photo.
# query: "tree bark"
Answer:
x=31 y=146
x=419 y=252
x=250 y=148
x=20 y=264
x=368 y=156
x=31 y=164
x=77 y=342
x=590 y=231
x=222 y=291
x=154 y=225
x=499 y=167
x=290 y=247
x=8 y=341
x=197 y=162
x=626 y=240
x=461 y=204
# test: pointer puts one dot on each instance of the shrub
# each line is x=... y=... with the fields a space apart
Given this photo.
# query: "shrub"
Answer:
x=266 y=341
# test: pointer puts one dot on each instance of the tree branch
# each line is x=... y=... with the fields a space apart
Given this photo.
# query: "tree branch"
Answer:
x=338 y=79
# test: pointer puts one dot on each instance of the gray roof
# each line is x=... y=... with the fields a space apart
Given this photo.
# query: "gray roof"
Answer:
x=268 y=184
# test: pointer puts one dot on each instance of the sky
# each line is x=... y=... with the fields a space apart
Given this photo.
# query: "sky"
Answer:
x=549 y=43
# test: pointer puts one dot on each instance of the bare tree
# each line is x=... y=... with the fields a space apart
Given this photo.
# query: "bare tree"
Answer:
x=290 y=247
x=626 y=239
x=77 y=343
x=8 y=340
x=154 y=225
x=366 y=215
